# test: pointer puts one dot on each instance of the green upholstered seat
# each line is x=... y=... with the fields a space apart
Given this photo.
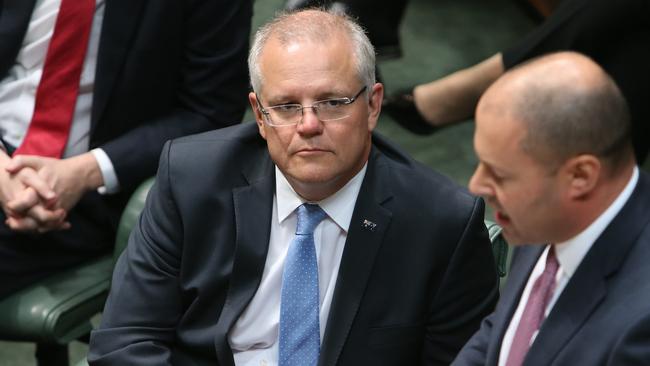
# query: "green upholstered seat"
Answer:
x=130 y=216
x=58 y=309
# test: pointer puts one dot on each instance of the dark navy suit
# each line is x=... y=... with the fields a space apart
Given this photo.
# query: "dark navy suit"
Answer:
x=603 y=315
x=411 y=289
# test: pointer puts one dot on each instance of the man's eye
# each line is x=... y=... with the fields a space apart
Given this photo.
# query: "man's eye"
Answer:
x=333 y=103
x=497 y=177
x=286 y=108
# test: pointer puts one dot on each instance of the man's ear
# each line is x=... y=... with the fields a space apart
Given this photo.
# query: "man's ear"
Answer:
x=583 y=173
x=376 y=96
x=259 y=118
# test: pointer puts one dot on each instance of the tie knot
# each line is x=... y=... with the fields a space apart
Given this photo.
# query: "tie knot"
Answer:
x=309 y=216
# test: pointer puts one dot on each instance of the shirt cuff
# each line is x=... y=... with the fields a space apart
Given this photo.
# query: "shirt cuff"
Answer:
x=111 y=184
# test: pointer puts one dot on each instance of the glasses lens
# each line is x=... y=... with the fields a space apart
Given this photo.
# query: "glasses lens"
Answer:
x=285 y=114
x=332 y=109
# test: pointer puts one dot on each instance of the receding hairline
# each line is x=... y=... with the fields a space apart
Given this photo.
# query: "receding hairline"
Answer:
x=553 y=71
x=314 y=25
x=307 y=25
x=285 y=38
x=559 y=96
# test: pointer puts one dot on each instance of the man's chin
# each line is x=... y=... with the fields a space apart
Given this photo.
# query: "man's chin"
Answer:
x=313 y=175
x=512 y=237
x=511 y=240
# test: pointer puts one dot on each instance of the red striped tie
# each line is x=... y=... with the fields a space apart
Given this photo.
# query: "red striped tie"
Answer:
x=56 y=95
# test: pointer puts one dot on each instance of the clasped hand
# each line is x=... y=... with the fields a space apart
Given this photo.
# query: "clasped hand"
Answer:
x=37 y=192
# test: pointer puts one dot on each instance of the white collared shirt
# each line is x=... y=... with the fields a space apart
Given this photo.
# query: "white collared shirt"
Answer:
x=18 y=87
x=569 y=256
x=254 y=337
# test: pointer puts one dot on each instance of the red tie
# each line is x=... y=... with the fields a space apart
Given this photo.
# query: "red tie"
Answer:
x=56 y=95
x=533 y=314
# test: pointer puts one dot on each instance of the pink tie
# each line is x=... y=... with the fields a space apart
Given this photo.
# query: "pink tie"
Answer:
x=56 y=95
x=533 y=315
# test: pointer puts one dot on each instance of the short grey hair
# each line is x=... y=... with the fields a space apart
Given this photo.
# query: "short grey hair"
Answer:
x=313 y=25
x=567 y=116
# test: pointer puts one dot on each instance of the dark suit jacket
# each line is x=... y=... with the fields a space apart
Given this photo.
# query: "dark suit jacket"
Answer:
x=165 y=68
x=603 y=315
x=411 y=291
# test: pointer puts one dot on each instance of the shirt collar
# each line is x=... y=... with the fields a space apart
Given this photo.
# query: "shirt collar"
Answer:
x=339 y=206
x=571 y=252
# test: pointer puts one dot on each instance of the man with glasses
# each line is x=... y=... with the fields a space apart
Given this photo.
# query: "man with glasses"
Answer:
x=300 y=240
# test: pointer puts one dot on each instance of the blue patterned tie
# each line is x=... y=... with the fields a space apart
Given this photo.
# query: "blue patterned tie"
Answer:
x=299 y=310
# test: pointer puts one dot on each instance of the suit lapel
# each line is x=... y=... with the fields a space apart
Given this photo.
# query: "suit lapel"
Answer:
x=14 y=20
x=526 y=258
x=585 y=291
x=587 y=288
x=369 y=223
x=253 y=205
x=121 y=19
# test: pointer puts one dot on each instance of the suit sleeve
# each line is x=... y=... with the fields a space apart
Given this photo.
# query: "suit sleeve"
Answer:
x=475 y=350
x=144 y=303
x=466 y=295
x=210 y=92
x=633 y=348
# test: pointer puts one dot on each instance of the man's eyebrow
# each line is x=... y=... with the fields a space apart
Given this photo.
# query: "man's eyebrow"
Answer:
x=292 y=99
x=281 y=99
x=492 y=168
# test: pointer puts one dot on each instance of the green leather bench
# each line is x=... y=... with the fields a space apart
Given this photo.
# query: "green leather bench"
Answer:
x=58 y=309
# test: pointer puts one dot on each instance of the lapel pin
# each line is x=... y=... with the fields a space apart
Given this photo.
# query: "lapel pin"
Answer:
x=369 y=225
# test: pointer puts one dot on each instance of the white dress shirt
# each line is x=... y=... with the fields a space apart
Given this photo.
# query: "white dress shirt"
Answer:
x=254 y=337
x=18 y=88
x=569 y=255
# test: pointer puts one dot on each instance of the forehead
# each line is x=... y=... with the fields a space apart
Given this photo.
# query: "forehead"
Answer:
x=299 y=64
x=499 y=127
x=499 y=134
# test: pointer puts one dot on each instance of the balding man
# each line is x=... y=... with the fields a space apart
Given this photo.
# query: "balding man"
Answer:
x=557 y=166
x=299 y=240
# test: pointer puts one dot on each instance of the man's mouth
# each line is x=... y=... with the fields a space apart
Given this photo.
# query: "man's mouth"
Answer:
x=501 y=218
x=310 y=151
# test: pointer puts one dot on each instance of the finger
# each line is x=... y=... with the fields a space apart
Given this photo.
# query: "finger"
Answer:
x=42 y=188
x=9 y=213
x=12 y=213
x=52 y=221
x=45 y=217
x=63 y=226
x=24 y=224
x=21 y=161
x=27 y=199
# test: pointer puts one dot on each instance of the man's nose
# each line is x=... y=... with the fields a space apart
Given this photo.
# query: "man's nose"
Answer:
x=310 y=123
x=478 y=184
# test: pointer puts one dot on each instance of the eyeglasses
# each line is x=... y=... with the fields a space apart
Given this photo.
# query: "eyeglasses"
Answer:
x=325 y=110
